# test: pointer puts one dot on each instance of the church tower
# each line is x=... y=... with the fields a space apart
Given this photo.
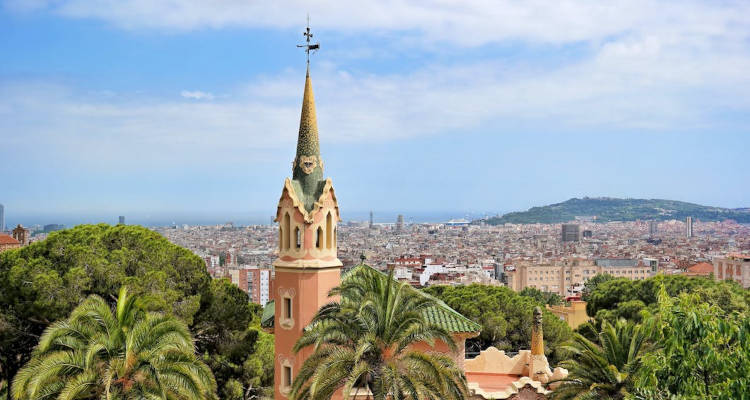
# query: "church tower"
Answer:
x=307 y=266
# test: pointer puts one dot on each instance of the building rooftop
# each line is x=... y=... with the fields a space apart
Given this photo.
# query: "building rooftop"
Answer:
x=6 y=239
x=700 y=269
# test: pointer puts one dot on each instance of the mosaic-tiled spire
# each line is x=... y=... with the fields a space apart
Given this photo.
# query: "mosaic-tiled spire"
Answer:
x=308 y=166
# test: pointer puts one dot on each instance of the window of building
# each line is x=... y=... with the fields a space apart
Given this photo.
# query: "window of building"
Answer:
x=298 y=234
x=319 y=238
x=287 y=376
x=287 y=308
x=287 y=232
x=329 y=230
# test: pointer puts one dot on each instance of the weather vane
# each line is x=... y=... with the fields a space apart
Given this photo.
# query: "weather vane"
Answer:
x=309 y=46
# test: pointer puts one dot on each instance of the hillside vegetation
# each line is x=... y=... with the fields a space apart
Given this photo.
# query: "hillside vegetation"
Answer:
x=611 y=209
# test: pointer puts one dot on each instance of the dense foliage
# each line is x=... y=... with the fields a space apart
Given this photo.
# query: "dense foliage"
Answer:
x=365 y=341
x=612 y=209
x=505 y=317
x=606 y=370
x=697 y=331
x=128 y=354
x=590 y=285
x=43 y=282
x=702 y=351
x=552 y=299
x=624 y=298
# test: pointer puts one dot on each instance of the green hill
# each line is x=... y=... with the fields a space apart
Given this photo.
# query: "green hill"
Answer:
x=611 y=209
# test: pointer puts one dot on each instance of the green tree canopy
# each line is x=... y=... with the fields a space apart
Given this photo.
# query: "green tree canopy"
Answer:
x=605 y=370
x=505 y=317
x=125 y=354
x=552 y=299
x=43 y=282
x=702 y=352
x=698 y=346
x=592 y=283
x=624 y=298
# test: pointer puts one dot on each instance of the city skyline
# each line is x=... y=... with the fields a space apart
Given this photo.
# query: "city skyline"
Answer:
x=110 y=114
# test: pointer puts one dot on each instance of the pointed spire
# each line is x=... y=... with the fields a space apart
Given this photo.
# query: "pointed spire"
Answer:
x=307 y=168
x=307 y=142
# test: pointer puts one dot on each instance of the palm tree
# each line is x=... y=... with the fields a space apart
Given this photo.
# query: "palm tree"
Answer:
x=130 y=354
x=605 y=371
x=364 y=341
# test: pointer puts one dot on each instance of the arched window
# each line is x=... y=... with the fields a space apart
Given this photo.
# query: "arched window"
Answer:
x=281 y=235
x=298 y=235
x=329 y=231
x=319 y=238
x=287 y=231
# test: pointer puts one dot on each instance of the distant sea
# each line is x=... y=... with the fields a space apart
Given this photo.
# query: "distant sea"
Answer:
x=238 y=219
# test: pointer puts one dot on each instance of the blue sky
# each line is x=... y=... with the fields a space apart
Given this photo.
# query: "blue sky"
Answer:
x=155 y=107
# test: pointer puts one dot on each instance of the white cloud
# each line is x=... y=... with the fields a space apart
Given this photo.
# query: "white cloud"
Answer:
x=464 y=22
x=653 y=65
x=634 y=83
x=196 y=95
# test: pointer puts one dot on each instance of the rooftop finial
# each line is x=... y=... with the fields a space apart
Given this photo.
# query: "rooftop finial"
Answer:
x=537 y=335
x=309 y=46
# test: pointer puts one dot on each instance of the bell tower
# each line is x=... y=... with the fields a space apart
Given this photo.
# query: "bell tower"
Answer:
x=307 y=267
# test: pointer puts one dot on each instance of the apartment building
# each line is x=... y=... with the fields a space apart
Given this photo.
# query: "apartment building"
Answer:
x=733 y=267
x=567 y=276
x=253 y=280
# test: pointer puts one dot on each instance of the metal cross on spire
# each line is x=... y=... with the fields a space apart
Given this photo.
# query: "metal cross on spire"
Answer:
x=309 y=46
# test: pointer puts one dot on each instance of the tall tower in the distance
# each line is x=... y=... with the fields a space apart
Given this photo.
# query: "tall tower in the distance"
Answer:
x=307 y=267
x=2 y=218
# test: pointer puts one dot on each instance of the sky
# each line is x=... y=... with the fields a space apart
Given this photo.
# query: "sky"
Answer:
x=163 y=109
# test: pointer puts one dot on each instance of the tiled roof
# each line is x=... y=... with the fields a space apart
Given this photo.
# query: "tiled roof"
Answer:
x=5 y=239
x=441 y=315
x=701 y=269
x=266 y=319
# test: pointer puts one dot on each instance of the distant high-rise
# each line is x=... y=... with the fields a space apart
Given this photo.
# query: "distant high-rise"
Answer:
x=400 y=223
x=689 y=227
x=652 y=228
x=571 y=233
x=2 y=218
x=371 y=224
x=121 y=220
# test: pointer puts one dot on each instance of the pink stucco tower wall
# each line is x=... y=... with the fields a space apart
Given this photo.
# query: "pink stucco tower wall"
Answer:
x=307 y=267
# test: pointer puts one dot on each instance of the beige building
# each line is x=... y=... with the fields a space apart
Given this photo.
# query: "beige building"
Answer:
x=573 y=314
x=733 y=267
x=567 y=276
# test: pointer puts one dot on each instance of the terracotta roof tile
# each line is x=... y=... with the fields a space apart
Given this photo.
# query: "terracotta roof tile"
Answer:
x=701 y=269
x=5 y=239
